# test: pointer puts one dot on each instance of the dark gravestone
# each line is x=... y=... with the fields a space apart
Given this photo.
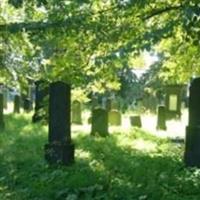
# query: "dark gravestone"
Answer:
x=41 y=92
x=192 y=146
x=76 y=112
x=60 y=148
x=16 y=104
x=136 y=121
x=27 y=105
x=99 y=122
x=161 y=118
x=2 y=124
x=114 y=118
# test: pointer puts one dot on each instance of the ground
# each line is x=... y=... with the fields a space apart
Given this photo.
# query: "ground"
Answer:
x=129 y=165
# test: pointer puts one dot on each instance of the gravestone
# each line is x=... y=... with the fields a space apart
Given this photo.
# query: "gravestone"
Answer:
x=99 y=122
x=173 y=99
x=76 y=112
x=136 y=121
x=161 y=118
x=5 y=97
x=114 y=118
x=16 y=104
x=27 y=105
x=41 y=92
x=60 y=149
x=2 y=124
x=192 y=145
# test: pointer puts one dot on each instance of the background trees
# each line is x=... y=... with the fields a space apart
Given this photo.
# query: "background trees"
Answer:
x=86 y=42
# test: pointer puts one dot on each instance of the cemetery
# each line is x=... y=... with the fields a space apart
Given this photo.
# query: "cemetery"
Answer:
x=99 y=100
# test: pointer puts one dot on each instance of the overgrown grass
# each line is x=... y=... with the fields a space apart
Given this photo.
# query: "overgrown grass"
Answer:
x=123 y=166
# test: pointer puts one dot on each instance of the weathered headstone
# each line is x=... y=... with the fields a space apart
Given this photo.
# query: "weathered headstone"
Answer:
x=136 y=121
x=41 y=92
x=99 y=122
x=2 y=124
x=114 y=118
x=161 y=118
x=173 y=99
x=60 y=148
x=16 y=104
x=76 y=112
x=192 y=146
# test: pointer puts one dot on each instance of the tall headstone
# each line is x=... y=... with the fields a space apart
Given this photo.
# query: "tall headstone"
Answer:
x=192 y=145
x=99 y=122
x=41 y=92
x=76 y=112
x=173 y=99
x=60 y=148
x=16 y=104
x=114 y=118
x=161 y=118
x=2 y=124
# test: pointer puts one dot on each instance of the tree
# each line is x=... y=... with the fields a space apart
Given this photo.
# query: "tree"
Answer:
x=77 y=41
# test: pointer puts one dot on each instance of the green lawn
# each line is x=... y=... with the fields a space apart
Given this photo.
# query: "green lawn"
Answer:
x=123 y=166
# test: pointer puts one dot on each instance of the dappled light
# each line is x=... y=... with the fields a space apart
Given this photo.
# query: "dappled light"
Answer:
x=99 y=100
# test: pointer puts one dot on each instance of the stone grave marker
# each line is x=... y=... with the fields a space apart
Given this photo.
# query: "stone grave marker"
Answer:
x=161 y=118
x=99 y=122
x=41 y=93
x=114 y=118
x=60 y=149
x=2 y=124
x=16 y=104
x=76 y=112
x=192 y=141
x=136 y=121
x=173 y=99
x=27 y=105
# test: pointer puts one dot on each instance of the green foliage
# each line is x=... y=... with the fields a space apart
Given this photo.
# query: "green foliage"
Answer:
x=134 y=165
x=88 y=41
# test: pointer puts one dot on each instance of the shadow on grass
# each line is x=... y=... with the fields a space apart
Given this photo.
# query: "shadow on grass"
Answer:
x=105 y=168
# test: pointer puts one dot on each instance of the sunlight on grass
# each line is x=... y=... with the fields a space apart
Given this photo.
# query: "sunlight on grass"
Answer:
x=126 y=165
x=146 y=146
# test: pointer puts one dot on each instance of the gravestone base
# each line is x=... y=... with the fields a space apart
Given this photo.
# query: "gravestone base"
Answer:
x=192 y=146
x=136 y=121
x=60 y=153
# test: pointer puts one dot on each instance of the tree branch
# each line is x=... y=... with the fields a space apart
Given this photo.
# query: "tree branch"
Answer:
x=156 y=12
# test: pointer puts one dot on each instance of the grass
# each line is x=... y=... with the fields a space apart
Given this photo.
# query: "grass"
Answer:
x=132 y=165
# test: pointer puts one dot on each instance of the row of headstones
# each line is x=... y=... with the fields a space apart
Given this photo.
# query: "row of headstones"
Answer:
x=61 y=148
x=114 y=116
x=27 y=106
x=192 y=139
